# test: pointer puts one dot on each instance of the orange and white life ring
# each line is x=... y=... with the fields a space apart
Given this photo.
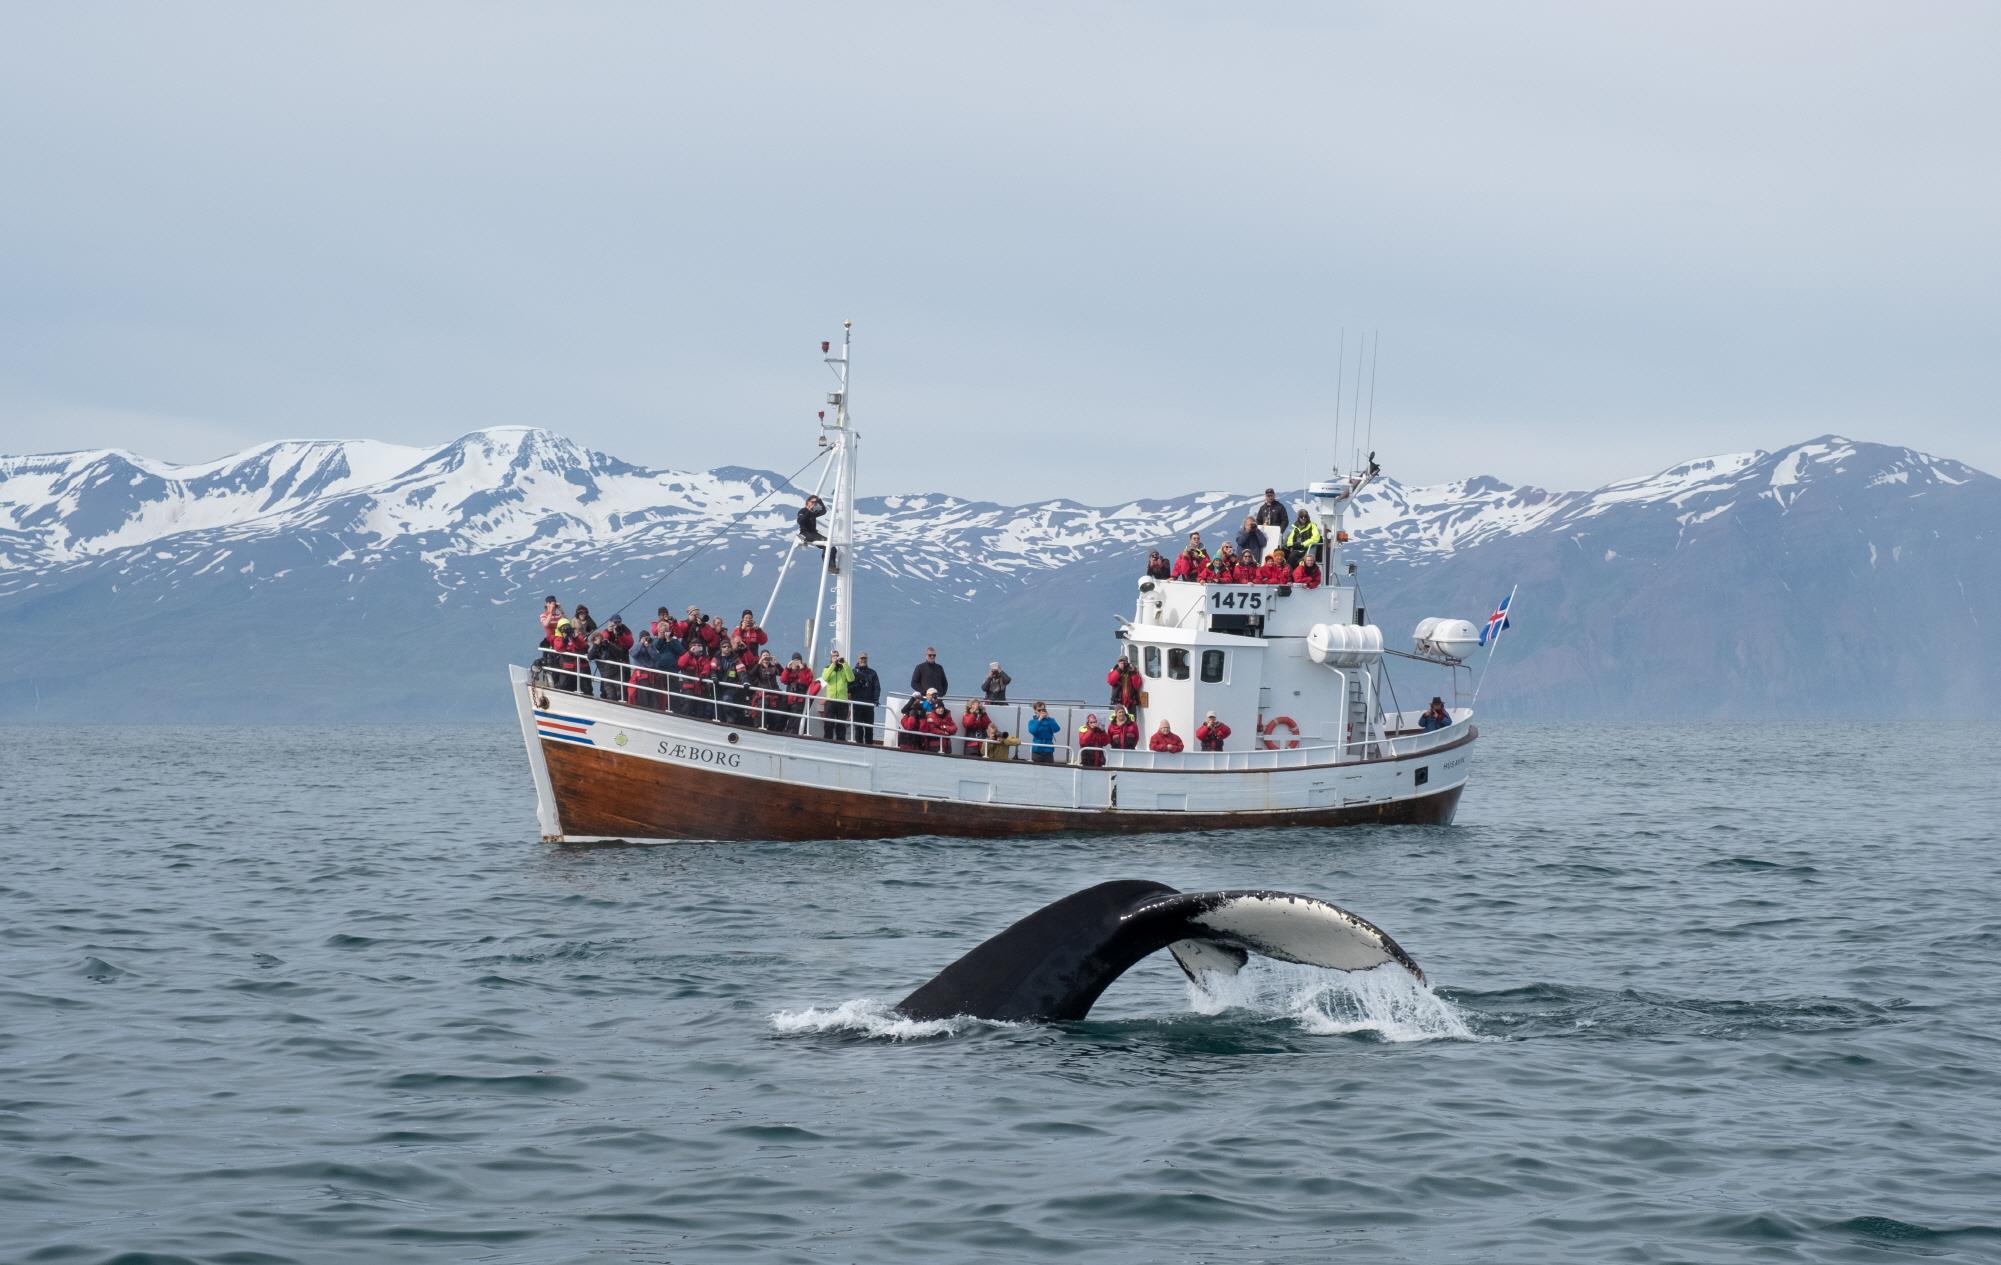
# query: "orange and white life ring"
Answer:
x=1272 y=727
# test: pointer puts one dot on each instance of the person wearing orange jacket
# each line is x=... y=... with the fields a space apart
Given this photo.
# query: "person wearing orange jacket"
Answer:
x=1165 y=739
x=1091 y=743
x=1307 y=574
x=1209 y=736
x=1124 y=680
x=1123 y=732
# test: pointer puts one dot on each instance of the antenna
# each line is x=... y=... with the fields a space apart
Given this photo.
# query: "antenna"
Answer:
x=1373 y=356
x=1340 y=377
x=1355 y=412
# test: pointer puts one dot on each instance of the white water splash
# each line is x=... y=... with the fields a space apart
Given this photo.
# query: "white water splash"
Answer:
x=875 y=1018
x=1386 y=1002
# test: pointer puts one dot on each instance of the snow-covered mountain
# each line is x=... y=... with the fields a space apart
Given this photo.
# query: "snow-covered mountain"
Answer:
x=341 y=579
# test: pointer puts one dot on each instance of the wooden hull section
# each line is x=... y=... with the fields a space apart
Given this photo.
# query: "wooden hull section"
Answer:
x=611 y=795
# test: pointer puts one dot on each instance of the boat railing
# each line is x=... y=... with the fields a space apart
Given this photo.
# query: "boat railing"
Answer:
x=743 y=705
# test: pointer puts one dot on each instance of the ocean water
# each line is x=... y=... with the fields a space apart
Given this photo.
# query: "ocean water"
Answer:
x=1698 y=994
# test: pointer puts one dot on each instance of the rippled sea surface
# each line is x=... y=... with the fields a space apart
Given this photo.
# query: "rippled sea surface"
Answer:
x=1705 y=994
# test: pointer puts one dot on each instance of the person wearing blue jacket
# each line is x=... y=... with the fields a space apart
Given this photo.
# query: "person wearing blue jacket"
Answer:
x=1042 y=733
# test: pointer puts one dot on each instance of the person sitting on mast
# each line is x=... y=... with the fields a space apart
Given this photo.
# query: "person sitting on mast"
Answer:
x=976 y=723
x=1274 y=571
x=1209 y=736
x=809 y=531
x=1307 y=573
x=1165 y=739
x=1157 y=566
x=1092 y=739
x=1123 y=732
x=1124 y=680
x=1193 y=560
x=1304 y=538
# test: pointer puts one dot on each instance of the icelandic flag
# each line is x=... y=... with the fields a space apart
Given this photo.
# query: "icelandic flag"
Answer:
x=1497 y=623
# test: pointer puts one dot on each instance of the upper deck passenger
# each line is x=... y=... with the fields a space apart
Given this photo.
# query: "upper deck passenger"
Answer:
x=1271 y=512
x=1194 y=560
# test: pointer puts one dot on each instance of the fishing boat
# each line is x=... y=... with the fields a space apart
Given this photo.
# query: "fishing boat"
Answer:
x=1293 y=672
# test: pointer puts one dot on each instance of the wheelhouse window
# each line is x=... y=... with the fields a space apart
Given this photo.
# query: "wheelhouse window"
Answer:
x=1177 y=664
x=1153 y=661
x=1212 y=666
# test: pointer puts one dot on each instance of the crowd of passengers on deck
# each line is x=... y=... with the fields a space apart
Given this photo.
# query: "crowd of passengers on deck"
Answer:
x=1273 y=547
x=700 y=666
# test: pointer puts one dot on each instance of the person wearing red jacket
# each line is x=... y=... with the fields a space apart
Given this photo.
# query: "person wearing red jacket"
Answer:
x=697 y=683
x=562 y=656
x=1092 y=739
x=1194 y=560
x=1307 y=573
x=1274 y=571
x=685 y=630
x=1124 y=680
x=1165 y=739
x=1246 y=571
x=552 y=614
x=1209 y=736
x=976 y=724
x=1220 y=567
x=747 y=630
x=938 y=725
x=1123 y=732
x=796 y=679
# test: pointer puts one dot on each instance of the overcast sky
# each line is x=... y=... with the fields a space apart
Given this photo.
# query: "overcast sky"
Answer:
x=1091 y=250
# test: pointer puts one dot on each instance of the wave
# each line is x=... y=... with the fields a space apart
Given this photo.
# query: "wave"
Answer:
x=1386 y=1003
x=874 y=1018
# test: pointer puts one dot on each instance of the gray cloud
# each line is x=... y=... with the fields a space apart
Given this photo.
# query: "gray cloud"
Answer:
x=1091 y=250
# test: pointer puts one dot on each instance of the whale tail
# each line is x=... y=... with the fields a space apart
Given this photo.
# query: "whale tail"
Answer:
x=1054 y=964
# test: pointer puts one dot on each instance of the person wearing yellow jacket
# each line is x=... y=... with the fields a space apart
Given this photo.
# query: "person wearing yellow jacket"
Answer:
x=835 y=682
x=1303 y=538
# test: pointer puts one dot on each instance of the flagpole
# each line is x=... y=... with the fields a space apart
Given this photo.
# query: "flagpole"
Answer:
x=1495 y=644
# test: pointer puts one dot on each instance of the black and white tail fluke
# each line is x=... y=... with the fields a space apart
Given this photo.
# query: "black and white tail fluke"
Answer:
x=1054 y=964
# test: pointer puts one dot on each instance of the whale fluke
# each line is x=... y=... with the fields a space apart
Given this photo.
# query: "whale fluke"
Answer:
x=1053 y=964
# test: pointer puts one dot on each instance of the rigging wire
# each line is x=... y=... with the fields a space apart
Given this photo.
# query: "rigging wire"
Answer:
x=723 y=530
x=1373 y=357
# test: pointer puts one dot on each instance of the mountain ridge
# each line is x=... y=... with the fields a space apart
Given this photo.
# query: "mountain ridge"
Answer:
x=327 y=533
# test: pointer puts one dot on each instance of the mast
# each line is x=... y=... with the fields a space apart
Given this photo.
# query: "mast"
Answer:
x=841 y=531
